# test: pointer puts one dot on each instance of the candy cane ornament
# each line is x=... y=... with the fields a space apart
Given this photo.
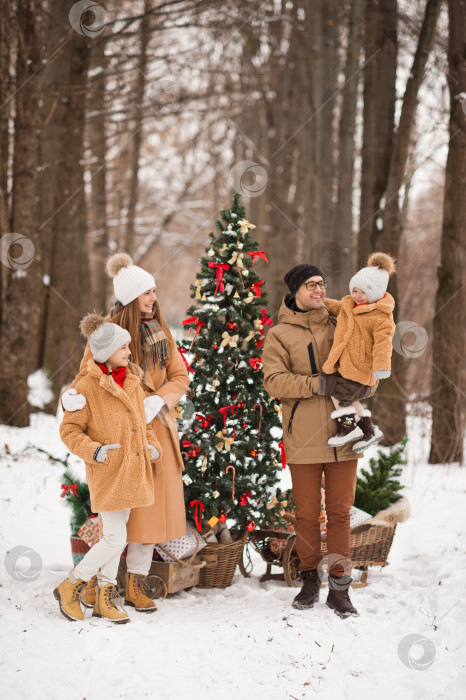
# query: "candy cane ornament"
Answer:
x=230 y=466
x=260 y=414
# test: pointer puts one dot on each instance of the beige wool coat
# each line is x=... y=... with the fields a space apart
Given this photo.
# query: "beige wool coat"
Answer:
x=363 y=338
x=125 y=479
x=165 y=519
x=294 y=352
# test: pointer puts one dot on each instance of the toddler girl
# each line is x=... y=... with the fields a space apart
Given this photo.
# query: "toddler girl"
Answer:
x=362 y=348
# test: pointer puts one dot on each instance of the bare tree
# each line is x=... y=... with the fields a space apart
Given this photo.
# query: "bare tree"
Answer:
x=389 y=403
x=449 y=354
x=69 y=287
x=20 y=314
x=97 y=141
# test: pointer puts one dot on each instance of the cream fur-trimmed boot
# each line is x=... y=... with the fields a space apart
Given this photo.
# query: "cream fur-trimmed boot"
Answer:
x=347 y=429
x=371 y=433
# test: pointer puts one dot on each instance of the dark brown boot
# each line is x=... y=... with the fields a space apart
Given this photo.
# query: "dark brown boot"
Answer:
x=338 y=597
x=309 y=593
x=371 y=433
x=347 y=429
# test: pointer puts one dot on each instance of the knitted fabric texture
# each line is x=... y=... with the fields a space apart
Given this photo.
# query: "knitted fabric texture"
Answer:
x=129 y=281
x=295 y=277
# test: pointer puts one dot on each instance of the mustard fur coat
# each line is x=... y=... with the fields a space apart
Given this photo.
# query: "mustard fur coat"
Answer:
x=125 y=479
x=363 y=338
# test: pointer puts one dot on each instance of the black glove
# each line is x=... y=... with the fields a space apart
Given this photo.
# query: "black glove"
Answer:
x=344 y=390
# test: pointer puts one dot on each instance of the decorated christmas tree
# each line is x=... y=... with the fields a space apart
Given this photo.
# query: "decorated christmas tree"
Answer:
x=77 y=496
x=231 y=447
x=378 y=488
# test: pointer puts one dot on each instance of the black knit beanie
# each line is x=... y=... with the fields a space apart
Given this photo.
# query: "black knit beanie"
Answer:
x=299 y=274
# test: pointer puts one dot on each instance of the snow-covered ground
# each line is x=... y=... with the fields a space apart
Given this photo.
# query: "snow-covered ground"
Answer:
x=246 y=641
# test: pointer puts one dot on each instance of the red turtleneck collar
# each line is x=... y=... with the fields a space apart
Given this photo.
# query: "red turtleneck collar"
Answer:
x=118 y=373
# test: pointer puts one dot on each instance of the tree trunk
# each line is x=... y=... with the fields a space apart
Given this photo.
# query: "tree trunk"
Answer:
x=378 y=115
x=449 y=355
x=69 y=293
x=342 y=266
x=53 y=110
x=130 y=233
x=6 y=89
x=389 y=404
x=325 y=118
x=96 y=132
x=21 y=259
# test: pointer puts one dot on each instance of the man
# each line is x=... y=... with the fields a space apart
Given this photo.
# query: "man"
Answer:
x=294 y=352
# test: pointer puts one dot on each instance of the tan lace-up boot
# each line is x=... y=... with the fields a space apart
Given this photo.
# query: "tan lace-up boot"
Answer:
x=108 y=604
x=136 y=593
x=88 y=593
x=68 y=596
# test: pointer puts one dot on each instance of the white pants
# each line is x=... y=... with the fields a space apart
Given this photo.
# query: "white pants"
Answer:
x=104 y=557
x=139 y=558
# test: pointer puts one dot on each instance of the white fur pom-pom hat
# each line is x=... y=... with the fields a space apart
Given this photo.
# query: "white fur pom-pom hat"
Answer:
x=129 y=281
x=373 y=280
x=104 y=337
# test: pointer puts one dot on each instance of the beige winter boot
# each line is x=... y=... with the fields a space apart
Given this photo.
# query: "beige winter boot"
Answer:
x=106 y=605
x=88 y=594
x=68 y=595
x=136 y=593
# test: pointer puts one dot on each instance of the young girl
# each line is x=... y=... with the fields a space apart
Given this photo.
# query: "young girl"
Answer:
x=362 y=348
x=110 y=434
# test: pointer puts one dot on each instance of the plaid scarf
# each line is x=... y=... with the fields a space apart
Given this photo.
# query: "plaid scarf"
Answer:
x=155 y=338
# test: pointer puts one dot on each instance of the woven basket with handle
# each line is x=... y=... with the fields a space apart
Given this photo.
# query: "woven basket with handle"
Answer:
x=221 y=561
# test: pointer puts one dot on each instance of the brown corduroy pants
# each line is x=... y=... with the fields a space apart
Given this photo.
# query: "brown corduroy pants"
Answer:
x=340 y=486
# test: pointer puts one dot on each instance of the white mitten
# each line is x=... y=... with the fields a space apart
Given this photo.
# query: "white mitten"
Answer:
x=155 y=453
x=382 y=373
x=73 y=401
x=100 y=455
x=152 y=406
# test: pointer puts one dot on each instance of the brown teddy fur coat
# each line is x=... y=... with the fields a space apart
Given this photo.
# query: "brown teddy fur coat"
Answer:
x=363 y=338
x=125 y=479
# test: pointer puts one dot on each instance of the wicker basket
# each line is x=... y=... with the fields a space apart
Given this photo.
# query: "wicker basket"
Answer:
x=78 y=549
x=370 y=544
x=221 y=561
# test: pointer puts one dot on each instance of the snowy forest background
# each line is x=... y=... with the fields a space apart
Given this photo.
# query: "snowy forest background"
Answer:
x=128 y=125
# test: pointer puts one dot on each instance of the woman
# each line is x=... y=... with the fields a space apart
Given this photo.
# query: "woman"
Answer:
x=165 y=380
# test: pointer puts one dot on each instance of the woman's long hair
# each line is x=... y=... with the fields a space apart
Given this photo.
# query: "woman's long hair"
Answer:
x=129 y=318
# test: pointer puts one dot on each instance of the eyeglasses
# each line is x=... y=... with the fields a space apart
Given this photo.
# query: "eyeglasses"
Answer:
x=311 y=286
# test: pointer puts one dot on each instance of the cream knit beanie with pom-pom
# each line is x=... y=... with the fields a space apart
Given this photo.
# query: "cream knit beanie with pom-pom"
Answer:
x=373 y=280
x=129 y=281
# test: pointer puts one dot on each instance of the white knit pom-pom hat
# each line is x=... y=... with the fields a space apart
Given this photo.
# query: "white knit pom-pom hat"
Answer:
x=373 y=280
x=129 y=281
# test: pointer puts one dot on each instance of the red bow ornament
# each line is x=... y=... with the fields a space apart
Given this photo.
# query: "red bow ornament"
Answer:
x=182 y=352
x=257 y=254
x=198 y=506
x=255 y=362
x=256 y=288
x=66 y=490
x=220 y=267
x=198 y=323
x=283 y=454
